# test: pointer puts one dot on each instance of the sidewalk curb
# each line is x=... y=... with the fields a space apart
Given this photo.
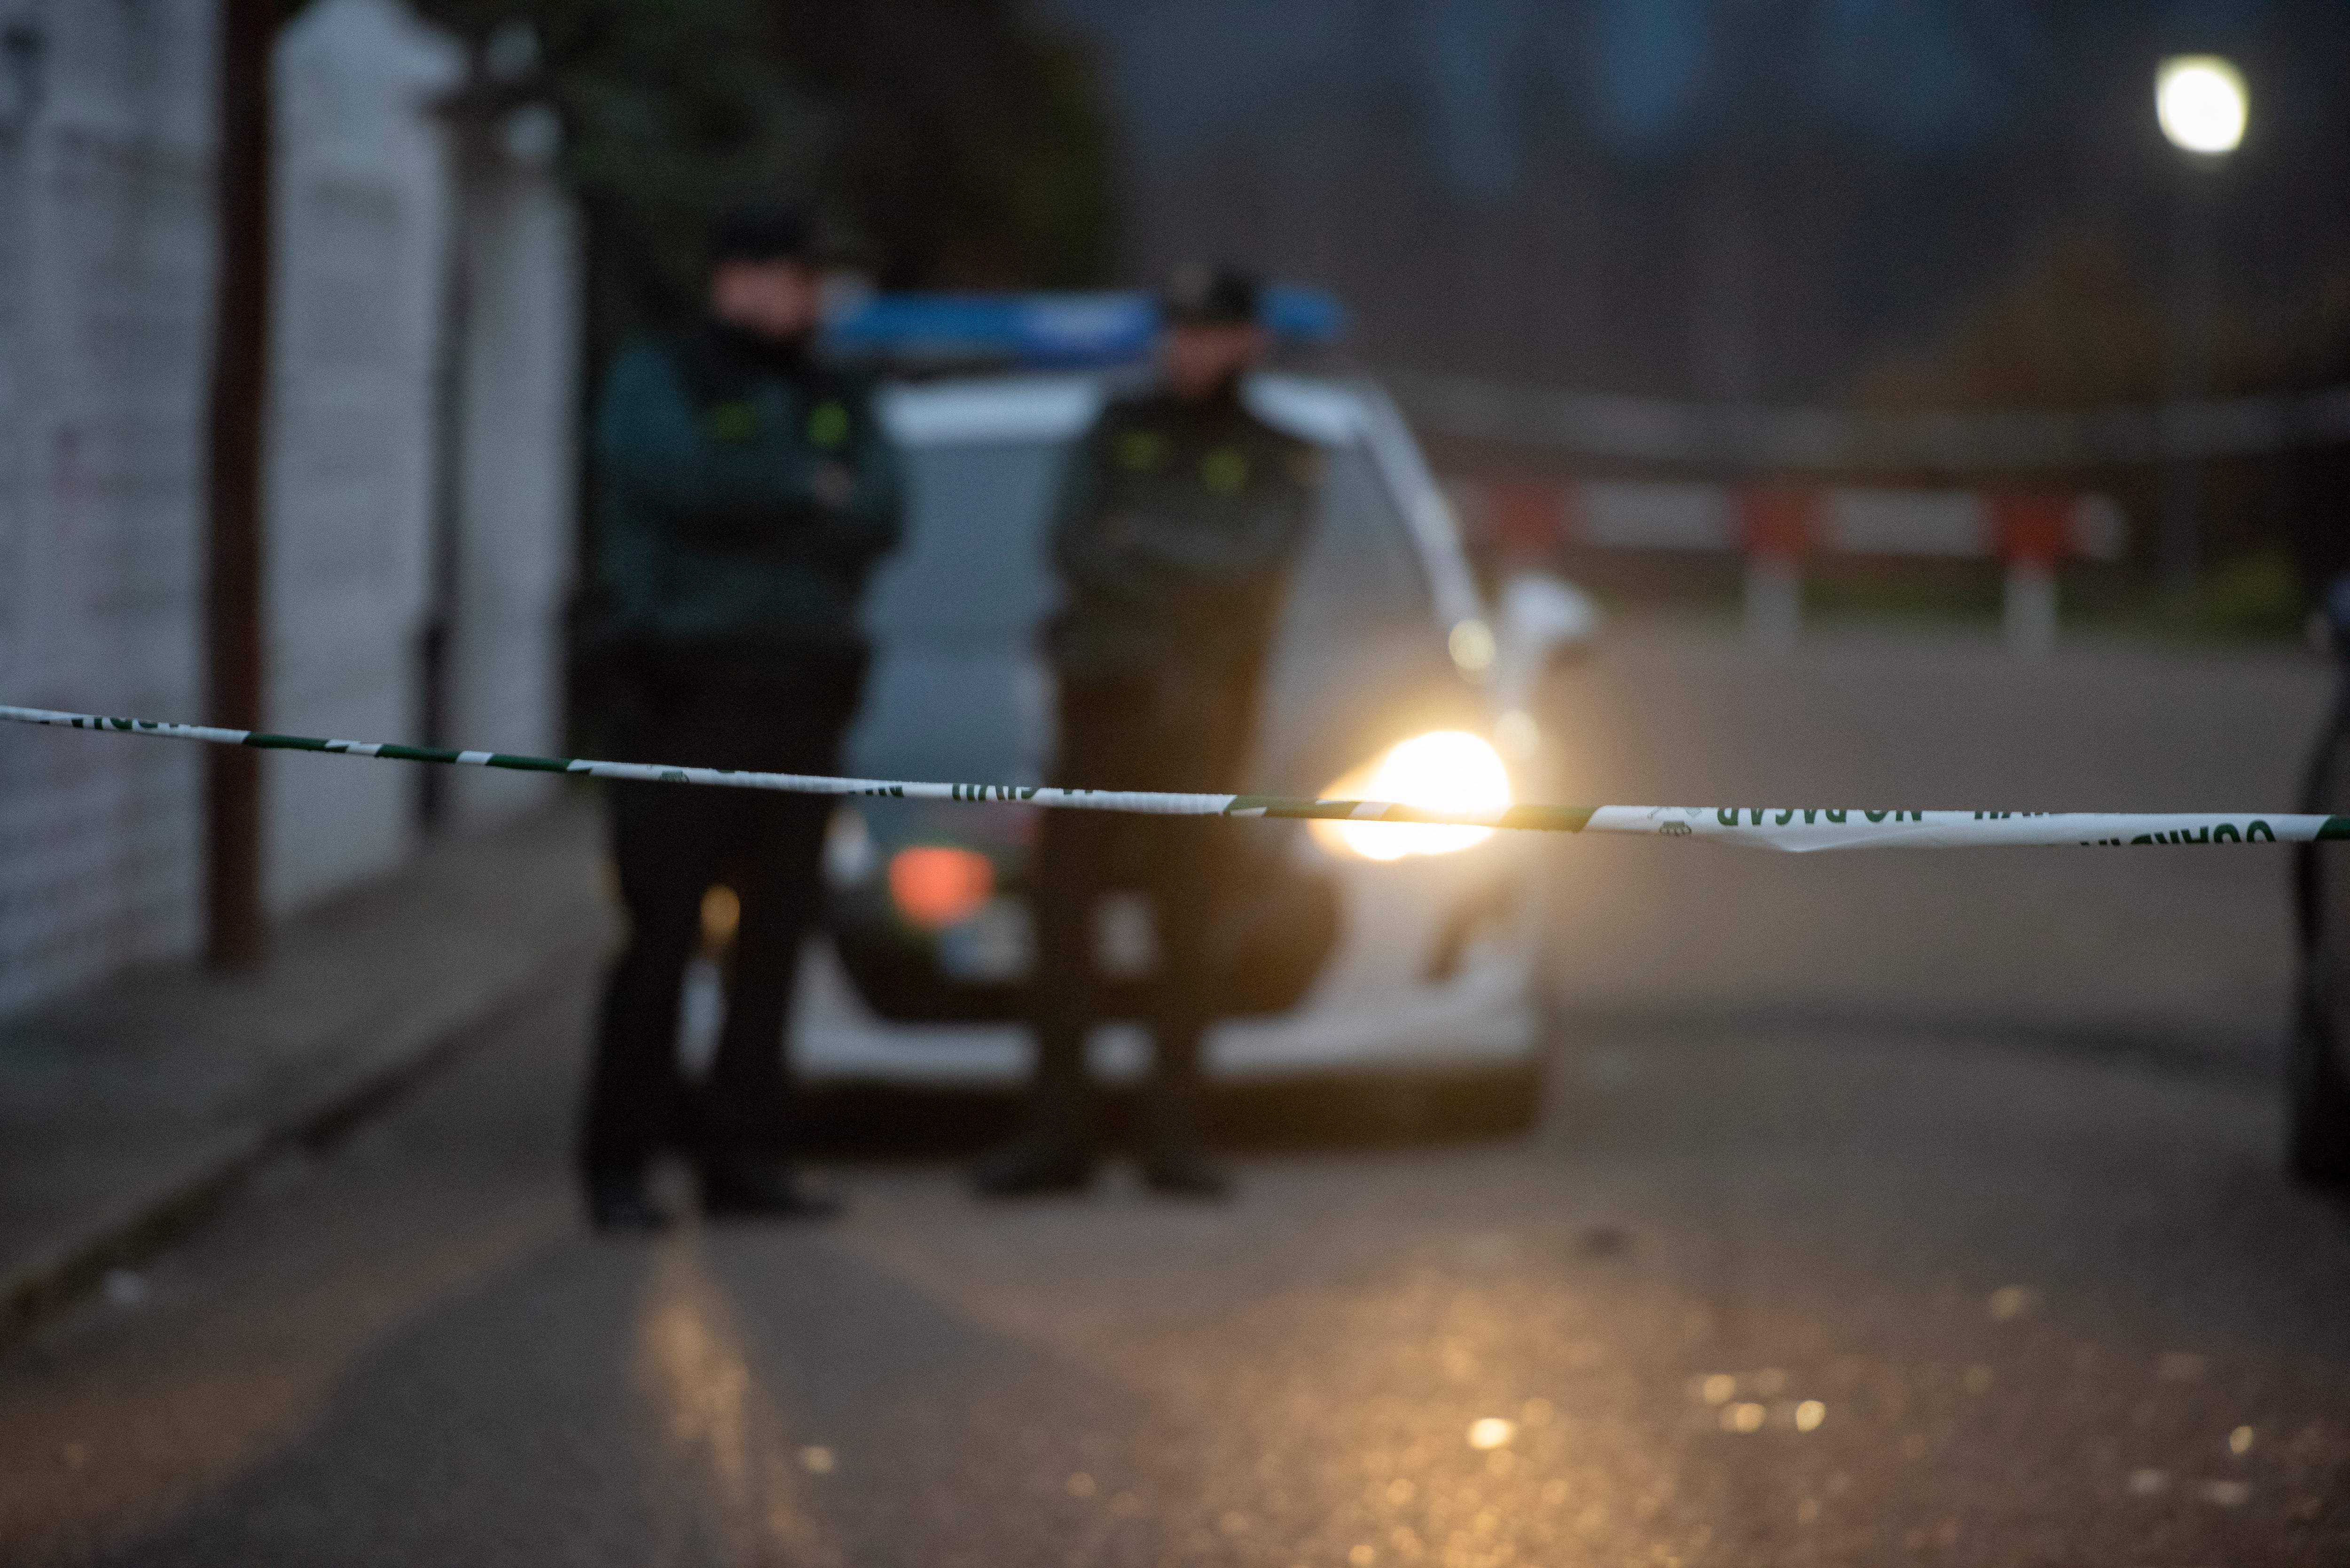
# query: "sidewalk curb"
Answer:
x=409 y=1048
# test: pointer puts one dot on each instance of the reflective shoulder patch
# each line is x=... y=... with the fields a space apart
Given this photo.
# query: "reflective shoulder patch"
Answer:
x=827 y=423
x=1139 y=451
x=1224 y=470
x=732 y=422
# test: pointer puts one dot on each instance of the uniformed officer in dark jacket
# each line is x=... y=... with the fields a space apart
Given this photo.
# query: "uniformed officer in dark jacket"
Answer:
x=742 y=492
x=1180 y=516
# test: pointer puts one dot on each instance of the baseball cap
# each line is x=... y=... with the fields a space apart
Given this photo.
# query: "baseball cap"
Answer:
x=1201 y=294
x=764 y=229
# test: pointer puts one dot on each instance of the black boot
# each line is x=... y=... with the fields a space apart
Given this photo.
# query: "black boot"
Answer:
x=1053 y=1154
x=1174 y=1161
x=618 y=1205
x=1032 y=1166
x=750 y=1183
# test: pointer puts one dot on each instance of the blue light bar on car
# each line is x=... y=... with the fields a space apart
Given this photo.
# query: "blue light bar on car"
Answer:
x=1063 y=330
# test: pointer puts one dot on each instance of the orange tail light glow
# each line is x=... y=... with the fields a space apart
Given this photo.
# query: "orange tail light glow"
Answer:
x=937 y=885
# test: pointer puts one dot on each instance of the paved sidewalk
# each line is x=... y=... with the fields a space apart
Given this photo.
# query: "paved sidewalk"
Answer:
x=127 y=1111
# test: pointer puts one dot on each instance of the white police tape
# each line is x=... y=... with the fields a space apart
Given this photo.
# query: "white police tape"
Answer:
x=1797 y=829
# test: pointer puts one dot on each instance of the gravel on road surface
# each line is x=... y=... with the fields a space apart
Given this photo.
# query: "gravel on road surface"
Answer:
x=1748 y=1297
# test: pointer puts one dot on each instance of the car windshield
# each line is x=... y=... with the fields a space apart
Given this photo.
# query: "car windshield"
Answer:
x=959 y=690
x=973 y=567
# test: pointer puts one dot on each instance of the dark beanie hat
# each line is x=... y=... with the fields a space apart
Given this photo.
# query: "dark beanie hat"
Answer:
x=1204 y=295
x=764 y=229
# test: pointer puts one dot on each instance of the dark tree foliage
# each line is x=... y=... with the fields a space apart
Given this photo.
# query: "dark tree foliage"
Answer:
x=948 y=142
x=968 y=146
x=2081 y=325
x=671 y=109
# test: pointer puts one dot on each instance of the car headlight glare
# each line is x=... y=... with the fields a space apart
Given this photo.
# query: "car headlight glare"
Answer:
x=1443 y=770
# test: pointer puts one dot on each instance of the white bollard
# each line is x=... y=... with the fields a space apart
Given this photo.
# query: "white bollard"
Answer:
x=1774 y=600
x=2031 y=607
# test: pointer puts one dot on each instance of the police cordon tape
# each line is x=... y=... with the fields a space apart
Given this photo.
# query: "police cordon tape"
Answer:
x=1796 y=829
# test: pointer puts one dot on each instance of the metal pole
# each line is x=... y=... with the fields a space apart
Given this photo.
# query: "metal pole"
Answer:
x=236 y=933
x=447 y=541
x=2192 y=281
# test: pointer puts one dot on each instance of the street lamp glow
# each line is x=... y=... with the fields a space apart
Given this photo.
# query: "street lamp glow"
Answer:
x=2201 y=102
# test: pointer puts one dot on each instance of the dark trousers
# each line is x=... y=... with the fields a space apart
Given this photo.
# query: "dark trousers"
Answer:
x=1133 y=734
x=672 y=842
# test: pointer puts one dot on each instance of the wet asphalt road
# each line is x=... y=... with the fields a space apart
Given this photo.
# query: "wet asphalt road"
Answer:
x=1867 y=1252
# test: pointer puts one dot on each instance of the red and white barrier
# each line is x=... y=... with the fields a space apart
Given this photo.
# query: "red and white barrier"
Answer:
x=1775 y=529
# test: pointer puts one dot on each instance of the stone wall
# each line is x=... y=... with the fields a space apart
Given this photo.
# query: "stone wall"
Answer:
x=420 y=456
x=513 y=531
x=106 y=282
x=362 y=243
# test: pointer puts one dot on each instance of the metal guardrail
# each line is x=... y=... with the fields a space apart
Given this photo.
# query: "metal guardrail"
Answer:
x=1775 y=529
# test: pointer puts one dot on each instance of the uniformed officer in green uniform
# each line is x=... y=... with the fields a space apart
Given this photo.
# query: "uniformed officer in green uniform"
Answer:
x=742 y=492
x=1180 y=516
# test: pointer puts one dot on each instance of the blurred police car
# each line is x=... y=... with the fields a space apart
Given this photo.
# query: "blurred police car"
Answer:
x=1347 y=948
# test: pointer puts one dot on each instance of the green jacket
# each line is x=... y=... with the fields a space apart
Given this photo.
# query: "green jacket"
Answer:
x=1176 y=530
x=741 y=498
